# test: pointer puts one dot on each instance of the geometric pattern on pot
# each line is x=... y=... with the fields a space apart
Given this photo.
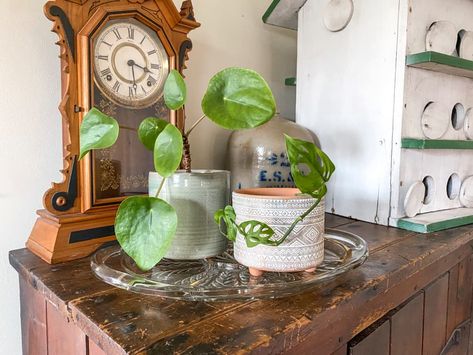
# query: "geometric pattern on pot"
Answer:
x=302 y=250
x=282 y=258
x=276 y=210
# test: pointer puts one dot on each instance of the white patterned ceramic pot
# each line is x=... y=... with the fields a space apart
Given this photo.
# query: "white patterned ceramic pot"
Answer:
x=303 y=250
x=195 y=196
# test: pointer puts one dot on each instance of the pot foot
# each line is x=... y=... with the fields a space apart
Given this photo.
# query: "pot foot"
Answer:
x=310 y=270
x=255 y=272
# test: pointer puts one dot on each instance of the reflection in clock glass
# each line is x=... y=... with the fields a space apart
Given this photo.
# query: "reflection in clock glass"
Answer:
x=130 y=68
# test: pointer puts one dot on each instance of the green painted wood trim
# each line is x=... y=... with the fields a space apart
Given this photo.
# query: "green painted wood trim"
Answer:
x=412 y=143
x=439 y=58
x=290 y=81
x=434 y=227
x=270 y=10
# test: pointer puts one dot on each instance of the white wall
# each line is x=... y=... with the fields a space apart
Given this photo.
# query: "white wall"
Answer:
x=232 y=34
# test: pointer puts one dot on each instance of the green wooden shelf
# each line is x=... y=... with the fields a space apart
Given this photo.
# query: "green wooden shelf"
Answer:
x=283 y=13
x=437 y=221
x=412 y=143
x=441 y=63
x=290 y=81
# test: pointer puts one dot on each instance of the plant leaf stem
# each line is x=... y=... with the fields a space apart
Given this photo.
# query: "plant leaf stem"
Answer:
x=195 y=125
x=160 y=187
x=129 y=128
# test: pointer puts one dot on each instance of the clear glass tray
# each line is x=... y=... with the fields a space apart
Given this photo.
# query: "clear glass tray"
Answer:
x=222 y=278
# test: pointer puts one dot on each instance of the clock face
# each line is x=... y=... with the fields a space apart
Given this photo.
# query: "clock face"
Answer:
x=130 y=63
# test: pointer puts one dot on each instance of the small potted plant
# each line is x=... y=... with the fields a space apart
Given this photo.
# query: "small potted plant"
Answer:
x=176 y=220
x=282 y=229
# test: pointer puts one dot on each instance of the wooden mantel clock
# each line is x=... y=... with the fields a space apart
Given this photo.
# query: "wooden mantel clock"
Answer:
x=115 y=55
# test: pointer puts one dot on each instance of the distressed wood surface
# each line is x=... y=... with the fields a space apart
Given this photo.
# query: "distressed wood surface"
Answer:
x=400 y=265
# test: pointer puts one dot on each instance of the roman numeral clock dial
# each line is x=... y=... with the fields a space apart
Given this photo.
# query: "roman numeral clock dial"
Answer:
x=130 y=63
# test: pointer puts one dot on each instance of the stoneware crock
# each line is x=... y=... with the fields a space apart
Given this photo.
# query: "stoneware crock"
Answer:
x=195 y=196
x=303 y=250
x=257 y=157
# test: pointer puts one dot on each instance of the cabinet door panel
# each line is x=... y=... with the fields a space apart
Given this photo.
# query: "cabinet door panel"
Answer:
x=406 y=328
x=435 y=316
x=64 y=337
x=376 y=343
x=33 y=320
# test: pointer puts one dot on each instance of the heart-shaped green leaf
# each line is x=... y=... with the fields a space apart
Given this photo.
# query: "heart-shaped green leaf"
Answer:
x=311 y=168
x=97 y=131
x=145 y=227
x=168 y=151
x=238 y=98
x=256 y=233
x=175 y=91
x=228 y=216
x=149 y=131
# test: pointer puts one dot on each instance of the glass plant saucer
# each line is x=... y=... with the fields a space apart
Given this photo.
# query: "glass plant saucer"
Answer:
x=222 y=278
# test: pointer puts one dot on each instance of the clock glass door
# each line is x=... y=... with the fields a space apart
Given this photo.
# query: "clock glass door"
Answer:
x=129 y=67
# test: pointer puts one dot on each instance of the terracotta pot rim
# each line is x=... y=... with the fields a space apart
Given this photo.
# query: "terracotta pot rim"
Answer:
x=280 y=193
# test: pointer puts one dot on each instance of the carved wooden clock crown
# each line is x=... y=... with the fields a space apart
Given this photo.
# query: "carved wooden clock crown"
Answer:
x=71 y=220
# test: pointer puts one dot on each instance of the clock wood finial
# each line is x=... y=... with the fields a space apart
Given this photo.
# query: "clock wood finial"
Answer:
x=187 y=10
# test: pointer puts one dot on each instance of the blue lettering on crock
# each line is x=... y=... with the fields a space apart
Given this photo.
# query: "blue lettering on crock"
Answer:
x=262 y=175
x=277 y=176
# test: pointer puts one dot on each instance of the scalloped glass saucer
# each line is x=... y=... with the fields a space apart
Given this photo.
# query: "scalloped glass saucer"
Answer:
x=222 y=278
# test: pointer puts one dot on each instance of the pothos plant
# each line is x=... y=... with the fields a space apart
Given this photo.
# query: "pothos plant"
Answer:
x=235 y=99
x=311 y=169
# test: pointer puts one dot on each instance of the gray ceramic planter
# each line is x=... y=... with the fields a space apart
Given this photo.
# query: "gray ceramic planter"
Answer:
x=195 y=196
x=303 y=250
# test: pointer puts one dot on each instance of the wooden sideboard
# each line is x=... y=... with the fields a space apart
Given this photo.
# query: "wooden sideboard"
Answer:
x=412 y=296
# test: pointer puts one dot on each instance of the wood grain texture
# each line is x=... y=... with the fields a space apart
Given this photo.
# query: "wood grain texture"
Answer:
x=33 y=320
x=435 y=316
x=401 y=264
x=341 y=351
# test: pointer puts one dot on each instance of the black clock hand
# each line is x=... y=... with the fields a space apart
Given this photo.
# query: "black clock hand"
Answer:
x=146 y=70
x=132 y=64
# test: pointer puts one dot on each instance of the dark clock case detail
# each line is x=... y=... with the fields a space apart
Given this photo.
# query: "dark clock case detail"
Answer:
x=79 y=212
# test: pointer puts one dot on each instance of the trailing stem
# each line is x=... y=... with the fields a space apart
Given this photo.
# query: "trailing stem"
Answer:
x=274 y=243
x=195 y=125
x=160 y=187
x=296 y=222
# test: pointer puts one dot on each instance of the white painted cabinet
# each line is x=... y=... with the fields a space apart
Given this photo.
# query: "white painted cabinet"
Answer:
x=391 y=102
